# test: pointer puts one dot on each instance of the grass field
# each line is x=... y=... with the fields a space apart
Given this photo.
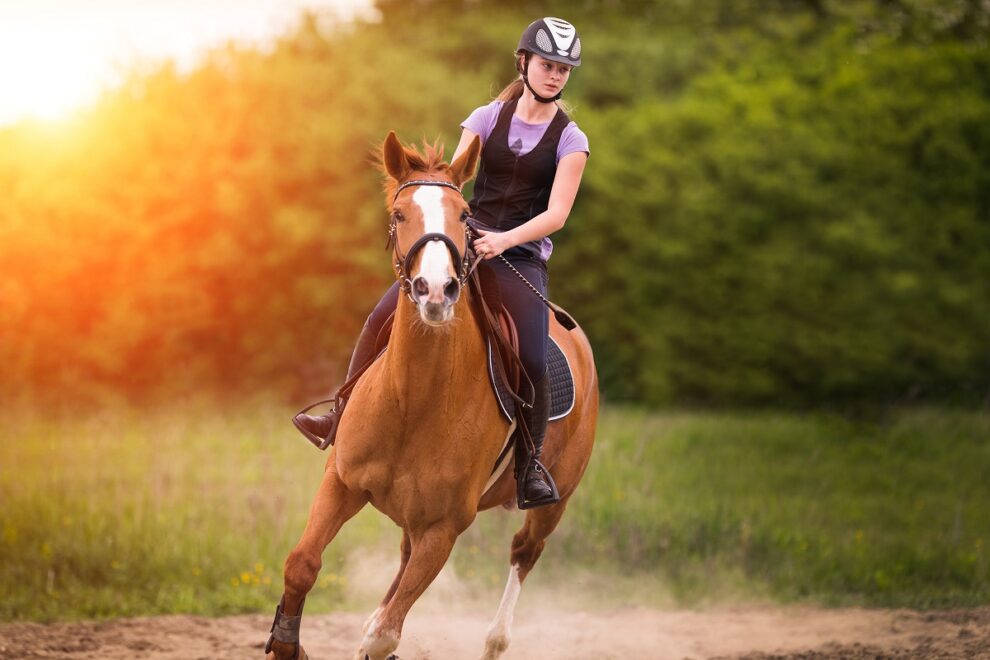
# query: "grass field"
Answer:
x=126 y=512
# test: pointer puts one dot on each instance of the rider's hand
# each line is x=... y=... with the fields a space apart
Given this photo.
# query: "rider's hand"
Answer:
x=491 y=244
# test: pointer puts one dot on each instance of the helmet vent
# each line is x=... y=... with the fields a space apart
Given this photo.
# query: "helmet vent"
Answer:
x=576 y=51
x=543 y=41
x=562 y=31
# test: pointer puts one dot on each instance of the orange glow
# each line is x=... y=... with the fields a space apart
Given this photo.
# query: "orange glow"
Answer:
x=57 y=55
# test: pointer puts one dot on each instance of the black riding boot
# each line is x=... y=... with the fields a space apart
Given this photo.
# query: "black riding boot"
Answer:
x=322 y=429
x=537 y=487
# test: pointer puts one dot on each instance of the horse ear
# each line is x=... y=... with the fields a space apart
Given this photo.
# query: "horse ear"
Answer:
x=394 y=158
x=462 y=169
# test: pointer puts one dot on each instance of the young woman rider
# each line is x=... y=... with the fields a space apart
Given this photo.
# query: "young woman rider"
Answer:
x=531 y=166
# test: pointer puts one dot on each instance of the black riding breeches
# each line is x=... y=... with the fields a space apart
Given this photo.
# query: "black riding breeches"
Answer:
x=529 y=312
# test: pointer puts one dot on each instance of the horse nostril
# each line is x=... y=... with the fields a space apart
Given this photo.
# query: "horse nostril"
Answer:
x=420 y=288
x=452 y=290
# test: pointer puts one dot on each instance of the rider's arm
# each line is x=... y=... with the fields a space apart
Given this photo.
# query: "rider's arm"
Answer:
x=565 y=187
x=466 y=137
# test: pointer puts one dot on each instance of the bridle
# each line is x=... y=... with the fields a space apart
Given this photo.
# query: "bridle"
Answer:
x=402 y=264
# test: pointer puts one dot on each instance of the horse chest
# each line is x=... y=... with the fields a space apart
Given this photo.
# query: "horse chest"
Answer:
x=417 y=468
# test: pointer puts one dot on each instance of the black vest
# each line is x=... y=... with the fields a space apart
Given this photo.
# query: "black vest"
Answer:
x=510 y=189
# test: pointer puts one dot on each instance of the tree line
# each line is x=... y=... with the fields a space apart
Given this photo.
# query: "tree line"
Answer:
x=787 y=203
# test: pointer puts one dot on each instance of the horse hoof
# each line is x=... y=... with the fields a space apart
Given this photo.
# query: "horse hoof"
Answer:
x=300 y=655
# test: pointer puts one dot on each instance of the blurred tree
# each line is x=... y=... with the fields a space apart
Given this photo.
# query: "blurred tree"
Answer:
x=786 y=202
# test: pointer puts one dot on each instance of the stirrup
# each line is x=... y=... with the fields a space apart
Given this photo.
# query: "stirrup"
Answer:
x=321 y=443
x=334 y=415
x=521 y=500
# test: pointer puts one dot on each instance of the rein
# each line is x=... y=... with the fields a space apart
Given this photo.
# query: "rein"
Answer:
x=402 y=264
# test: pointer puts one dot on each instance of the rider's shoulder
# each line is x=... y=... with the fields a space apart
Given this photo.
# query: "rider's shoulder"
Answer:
x=490 y=109
x=483 y=114
x=572 y=139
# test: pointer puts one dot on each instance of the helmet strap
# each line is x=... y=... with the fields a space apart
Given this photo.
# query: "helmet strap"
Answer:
x=524 y=71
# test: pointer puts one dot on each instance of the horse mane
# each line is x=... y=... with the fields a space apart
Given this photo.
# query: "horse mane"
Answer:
x=428 y=161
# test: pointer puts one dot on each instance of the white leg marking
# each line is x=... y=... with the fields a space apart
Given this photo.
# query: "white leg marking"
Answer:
x=499 y=632
x=372 y=620
x=435 y=264
x=377 y=645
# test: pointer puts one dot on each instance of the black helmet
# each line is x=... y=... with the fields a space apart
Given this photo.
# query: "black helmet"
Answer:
x=553 y=39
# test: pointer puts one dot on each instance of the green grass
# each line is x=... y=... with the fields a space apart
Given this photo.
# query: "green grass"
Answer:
x=127 y=513
x=891 y=511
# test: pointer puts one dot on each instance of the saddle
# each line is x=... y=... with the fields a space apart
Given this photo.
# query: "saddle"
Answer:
x=558 y=368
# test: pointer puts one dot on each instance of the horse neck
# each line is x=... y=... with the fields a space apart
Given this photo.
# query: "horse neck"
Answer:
x=425 y=362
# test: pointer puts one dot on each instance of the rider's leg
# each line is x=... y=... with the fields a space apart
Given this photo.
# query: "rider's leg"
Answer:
x=532 y=320
x=321 y=426
x=536 y=489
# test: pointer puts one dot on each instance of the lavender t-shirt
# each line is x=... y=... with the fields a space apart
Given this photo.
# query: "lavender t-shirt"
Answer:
x=523 y=138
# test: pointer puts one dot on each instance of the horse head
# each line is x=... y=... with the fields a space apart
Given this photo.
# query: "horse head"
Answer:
x=428 y=229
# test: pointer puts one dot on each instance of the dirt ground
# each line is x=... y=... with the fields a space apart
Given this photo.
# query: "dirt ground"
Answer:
x=762 y=633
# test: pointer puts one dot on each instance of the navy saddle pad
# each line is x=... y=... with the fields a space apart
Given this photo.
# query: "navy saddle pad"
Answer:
x=561 y=384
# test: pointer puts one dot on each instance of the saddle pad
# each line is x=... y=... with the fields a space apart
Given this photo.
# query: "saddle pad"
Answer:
x=561 y=384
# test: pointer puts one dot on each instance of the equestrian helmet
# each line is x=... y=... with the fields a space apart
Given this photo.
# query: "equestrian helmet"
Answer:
x=553 y=39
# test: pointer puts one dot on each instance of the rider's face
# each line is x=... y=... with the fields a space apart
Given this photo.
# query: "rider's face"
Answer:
x=546 y=76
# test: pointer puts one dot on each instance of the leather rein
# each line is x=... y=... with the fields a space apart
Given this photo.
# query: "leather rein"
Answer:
x=402 y=264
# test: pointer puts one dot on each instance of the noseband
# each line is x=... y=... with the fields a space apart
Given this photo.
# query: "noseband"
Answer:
x=403 y=264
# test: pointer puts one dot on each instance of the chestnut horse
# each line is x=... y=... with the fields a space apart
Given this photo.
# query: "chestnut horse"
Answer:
x=423 y=430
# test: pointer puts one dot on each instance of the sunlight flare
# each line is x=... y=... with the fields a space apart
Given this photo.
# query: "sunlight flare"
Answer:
x=59 y=54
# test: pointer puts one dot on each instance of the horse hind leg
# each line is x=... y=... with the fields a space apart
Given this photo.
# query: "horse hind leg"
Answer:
x=333 y=505
x=527 y=546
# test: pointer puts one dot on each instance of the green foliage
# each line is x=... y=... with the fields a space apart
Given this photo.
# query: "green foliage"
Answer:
x=796 y=233
x=190 y=511
x=786 y=203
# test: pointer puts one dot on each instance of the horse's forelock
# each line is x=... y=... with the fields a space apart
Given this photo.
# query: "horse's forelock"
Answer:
x=428 y=161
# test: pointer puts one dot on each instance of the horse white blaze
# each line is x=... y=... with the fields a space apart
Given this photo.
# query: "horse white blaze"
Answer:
x=498 y=634
x=435 y=265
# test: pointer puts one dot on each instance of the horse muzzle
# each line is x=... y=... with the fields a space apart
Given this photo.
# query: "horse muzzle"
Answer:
x=435 y=298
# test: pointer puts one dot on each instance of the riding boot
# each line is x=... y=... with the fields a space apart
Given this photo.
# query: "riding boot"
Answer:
x=321 y=430
x=537 y=487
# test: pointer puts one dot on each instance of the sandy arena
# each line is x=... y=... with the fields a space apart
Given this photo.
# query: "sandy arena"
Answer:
x=751 y=633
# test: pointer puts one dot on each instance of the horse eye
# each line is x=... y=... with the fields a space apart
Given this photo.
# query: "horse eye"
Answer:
x=397 y=216
x=464 y=216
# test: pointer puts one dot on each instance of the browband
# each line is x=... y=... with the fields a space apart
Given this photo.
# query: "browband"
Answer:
x=417 y=182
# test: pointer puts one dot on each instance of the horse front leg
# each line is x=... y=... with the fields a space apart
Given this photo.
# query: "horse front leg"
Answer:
x=405 y=551
x=527 y=546
x=429 y=552
x=333 y=505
